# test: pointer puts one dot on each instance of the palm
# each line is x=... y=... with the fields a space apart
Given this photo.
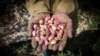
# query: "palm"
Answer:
x=36 y=19
x=63 y=18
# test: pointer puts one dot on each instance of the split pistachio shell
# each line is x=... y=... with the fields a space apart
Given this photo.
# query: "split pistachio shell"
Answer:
x=61 y=26
x=46 y=42
x=41 y=42
x=47 y=18
x=41 y=22
x=42 y=33
x=50 y=22
x=51 y=37
x=35 y=26
x=34 y=33
x=37 y=38
x=42 y=37
x=53 y=42
x=53 y=27
x=53 y=32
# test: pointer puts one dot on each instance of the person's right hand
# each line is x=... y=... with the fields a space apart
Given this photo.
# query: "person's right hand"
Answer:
x=32 y=21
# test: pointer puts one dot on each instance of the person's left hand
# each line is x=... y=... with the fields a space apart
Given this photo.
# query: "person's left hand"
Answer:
x=63 y=19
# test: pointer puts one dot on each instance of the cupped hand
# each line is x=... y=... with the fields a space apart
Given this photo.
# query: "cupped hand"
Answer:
x=33 y=20
x=63 y=18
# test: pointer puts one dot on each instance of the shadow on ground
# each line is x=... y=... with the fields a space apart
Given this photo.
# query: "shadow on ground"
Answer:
x=17 y=49
x=87 y=43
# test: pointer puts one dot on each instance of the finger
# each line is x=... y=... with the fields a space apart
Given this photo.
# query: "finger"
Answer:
x=50 y=47
x=62 y=46
x=47 y=17
x=34 y=43
x=64 y=37
x=63 y=41
x=39 y=49
x=55 y=47
x=69 y=27
x=44 y=47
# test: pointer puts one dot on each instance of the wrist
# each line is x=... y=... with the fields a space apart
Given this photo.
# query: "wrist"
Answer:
x=59 y=12
x=41 y=14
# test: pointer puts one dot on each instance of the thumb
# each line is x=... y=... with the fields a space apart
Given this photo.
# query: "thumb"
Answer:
x=29 y=27
x=34 y=43
x=69 y=27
